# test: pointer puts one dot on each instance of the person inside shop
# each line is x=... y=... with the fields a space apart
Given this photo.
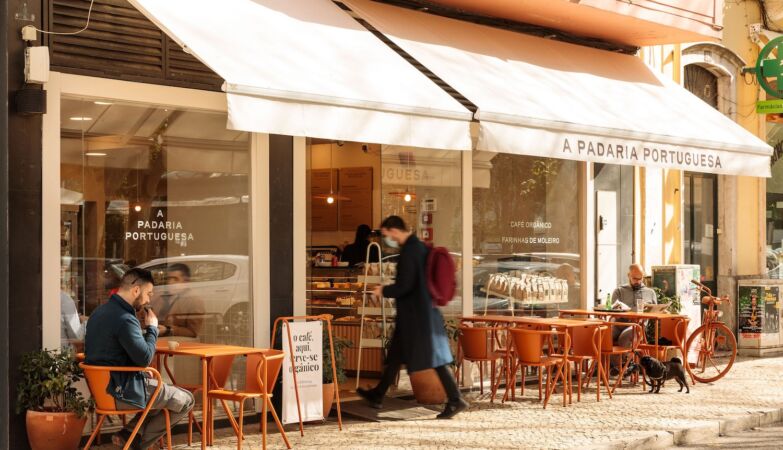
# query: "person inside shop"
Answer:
x=117 y=337
x=419 y=340
x=72 y=325
x=629 y=294
x=356 y=253
x=181 y=313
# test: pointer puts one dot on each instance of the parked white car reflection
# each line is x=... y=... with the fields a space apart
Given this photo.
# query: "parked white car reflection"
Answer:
x=221 y=281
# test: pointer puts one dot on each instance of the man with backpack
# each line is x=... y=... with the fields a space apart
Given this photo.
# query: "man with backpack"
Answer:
x=419 y=341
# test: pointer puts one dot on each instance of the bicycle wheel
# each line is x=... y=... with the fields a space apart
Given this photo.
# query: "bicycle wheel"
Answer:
x=711 y=351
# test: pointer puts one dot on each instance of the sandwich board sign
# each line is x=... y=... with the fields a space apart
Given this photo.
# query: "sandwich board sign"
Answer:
x=307 y=341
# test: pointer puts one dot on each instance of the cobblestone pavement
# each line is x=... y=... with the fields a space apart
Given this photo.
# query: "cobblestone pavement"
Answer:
x=752 y=386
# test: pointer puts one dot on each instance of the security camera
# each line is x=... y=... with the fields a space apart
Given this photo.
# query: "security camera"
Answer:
x=365 y=148
x=340 y=143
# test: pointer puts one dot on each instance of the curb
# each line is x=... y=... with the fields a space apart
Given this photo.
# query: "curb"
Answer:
x=700 y=433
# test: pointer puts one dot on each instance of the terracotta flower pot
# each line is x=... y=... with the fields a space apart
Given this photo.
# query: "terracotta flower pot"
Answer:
x=328 y=398
x=427 y=388
x=54 y=431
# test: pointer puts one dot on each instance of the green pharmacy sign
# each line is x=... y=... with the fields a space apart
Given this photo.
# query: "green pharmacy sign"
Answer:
x=769 y=68
x=769 y=106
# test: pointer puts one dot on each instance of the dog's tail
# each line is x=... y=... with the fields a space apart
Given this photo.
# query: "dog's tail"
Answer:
x=676 y=360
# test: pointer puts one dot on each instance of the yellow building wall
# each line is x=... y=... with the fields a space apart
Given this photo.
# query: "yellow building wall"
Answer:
x=748 y=200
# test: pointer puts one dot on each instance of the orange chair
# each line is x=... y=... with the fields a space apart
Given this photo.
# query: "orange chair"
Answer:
x=478 y=344
x=221 y=370
x=262 y=371
x=529 y=352
x=586 y=347
x=98 y=380
x=609 y=350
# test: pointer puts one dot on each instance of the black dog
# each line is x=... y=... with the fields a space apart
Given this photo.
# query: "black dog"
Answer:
x=660 y=372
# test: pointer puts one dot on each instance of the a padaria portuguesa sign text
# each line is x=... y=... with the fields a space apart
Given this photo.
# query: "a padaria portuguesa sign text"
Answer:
x=621 y=153
x=159 y=229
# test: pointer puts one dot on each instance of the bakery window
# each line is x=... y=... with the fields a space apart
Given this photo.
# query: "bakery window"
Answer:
x=526 y=232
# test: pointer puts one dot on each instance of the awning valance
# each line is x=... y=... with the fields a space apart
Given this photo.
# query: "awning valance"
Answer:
x=542 y=97
x=307 y=68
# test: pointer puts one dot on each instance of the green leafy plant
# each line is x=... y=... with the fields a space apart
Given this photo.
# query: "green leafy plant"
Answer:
x=47 y=384
x=340 y=344
x=675 y=305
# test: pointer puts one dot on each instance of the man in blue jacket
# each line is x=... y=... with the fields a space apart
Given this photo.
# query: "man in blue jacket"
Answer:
x=116 y=337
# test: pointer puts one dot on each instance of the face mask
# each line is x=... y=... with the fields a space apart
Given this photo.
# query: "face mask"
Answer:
x=390 y=242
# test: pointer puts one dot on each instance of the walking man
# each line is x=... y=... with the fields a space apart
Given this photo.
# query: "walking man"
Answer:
x=419 y=339
x=116 y=337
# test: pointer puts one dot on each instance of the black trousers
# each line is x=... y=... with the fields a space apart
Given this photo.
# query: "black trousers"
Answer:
x=444 y=373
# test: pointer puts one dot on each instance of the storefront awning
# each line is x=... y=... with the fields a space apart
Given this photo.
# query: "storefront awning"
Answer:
x=307 y=68
x=541 y=97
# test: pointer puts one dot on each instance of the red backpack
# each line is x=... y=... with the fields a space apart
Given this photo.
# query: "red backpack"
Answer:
x=441 y=275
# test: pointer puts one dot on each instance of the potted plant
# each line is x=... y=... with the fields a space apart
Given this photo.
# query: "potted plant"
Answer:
x=56 y=410
x=340 y=344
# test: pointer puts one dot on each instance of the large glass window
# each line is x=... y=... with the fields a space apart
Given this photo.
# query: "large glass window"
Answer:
x=163 y=189
x=525 y=234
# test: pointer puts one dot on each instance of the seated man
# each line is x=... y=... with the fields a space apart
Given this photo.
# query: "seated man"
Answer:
x=115 y=337
x=629 y=294
x=181 y=313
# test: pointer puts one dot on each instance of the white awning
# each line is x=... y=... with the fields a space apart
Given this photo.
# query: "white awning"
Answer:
x=541 y=97
x=306 y=68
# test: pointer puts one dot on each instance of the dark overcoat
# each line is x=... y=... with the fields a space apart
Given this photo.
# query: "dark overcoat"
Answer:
x=419 y=341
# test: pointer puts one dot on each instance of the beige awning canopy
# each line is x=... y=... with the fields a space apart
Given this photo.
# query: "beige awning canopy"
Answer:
x=307 y=68
x=541 y=97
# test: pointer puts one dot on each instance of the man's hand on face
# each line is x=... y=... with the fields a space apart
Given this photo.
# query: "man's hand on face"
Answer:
x=150 y=319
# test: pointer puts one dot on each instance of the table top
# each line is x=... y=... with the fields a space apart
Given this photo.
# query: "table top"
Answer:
x=551 y=321
x=623 y=314
x=204 y=350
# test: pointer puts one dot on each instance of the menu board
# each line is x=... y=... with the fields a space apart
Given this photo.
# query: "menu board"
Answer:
x=323 y=182
x=355 y=198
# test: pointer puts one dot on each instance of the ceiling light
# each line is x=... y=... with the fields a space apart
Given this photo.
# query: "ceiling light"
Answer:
x=330 y=199
x=407 y=197
x=80 y=118
x=137 y=208
x=95 y=154
x=102 y=103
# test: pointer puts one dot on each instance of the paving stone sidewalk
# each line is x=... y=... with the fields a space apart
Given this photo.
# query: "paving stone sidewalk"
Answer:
x=750 y=396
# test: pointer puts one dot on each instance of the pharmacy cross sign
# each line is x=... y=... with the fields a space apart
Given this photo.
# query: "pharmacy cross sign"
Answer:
x=770 y=66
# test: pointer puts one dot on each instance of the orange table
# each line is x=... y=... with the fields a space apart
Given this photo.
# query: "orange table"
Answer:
x=554 y=322
x=205 y=352
x=633 y=316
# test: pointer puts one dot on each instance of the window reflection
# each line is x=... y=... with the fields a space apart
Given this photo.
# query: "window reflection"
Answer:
x=525 y=234
x=164 y=189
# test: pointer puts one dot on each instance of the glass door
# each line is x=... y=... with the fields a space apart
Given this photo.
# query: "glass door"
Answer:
x=700 y=239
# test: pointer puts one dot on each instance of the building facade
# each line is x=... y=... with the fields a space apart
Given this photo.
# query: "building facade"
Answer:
x=133 y=165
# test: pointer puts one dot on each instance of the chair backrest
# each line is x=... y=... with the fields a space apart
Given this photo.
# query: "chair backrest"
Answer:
x=476 y=342
x=273 y=360
x=98 y=381
x=528 y=344
x=221 y=369
x=674 y=329
x=606 y=338
x=584 y=340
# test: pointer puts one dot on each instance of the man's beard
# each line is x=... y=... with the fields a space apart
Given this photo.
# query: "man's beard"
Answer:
x=636 y=287
x=137 y=304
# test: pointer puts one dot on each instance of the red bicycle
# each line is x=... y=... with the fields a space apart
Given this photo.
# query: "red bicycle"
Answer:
x=712 y=348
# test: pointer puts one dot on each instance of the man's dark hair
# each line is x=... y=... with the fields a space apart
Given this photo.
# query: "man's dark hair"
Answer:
x=394 y=222
x=179 y=267
x=136 y=276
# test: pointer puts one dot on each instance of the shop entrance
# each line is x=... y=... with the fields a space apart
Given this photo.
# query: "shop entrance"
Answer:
x=700 y=240
x=614 y=226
